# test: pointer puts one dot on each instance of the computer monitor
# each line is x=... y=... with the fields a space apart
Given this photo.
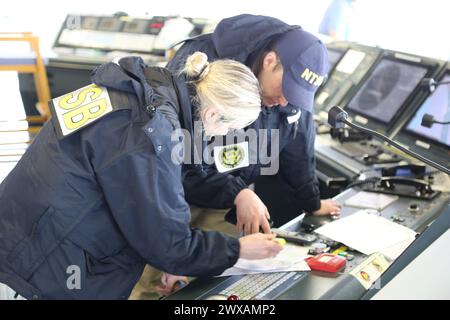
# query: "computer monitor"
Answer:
x=437 y=105
x=90 y=23
x=386 y=89
x=136 y=26
x=111 y=24
x=432 y=142
x=345 y=76
x=334 y=56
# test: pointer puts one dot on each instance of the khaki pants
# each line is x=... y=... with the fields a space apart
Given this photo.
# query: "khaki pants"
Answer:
x=202 y=218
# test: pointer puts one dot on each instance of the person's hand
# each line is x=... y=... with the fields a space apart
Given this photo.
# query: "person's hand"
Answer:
x=251 y=213
x=169 y=284
x=328 y=207
x=259 y=246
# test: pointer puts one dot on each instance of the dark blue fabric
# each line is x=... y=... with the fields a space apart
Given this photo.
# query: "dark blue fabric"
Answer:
x=241 y=38
x=106 y=199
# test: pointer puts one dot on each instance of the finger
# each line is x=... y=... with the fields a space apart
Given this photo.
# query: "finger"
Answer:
x=171 y=283
x=334 y=203
x=164 y=279
x=255 y=227
x=247 y=228
x=265 y=226
x=269 y=236
x=240 y=227
x=267 y=214
x=161 y=290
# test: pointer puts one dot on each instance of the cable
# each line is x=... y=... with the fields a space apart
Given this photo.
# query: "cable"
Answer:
x=441 y=122
x=400 y=147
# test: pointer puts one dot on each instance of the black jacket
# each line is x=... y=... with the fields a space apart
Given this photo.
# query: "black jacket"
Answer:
x=241 y=38
x=107 y=199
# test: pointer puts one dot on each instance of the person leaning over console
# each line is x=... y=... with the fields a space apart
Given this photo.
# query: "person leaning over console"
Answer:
x=290 y=64
x=93 y=200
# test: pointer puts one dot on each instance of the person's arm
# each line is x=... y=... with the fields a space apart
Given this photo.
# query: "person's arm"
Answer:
x=297 y=166
x=222 y=191
x=145 y=196
x=212 y=189
x=144 y=193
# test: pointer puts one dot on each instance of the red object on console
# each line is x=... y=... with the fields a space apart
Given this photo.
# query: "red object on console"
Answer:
x=326 y=262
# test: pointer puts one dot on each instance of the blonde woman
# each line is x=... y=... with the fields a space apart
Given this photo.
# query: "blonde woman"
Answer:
x=97 y=195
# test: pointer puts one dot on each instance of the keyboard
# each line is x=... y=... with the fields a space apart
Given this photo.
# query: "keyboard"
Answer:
x=261 y=286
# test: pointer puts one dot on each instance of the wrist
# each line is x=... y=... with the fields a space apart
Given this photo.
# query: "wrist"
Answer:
x=242 y=194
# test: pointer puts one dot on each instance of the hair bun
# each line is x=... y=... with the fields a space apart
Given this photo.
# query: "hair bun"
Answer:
x=197 y=65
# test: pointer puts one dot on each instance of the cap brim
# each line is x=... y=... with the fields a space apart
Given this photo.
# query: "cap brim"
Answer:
x=296 y=95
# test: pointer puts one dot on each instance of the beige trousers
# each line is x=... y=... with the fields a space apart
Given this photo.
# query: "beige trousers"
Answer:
x=202 y=218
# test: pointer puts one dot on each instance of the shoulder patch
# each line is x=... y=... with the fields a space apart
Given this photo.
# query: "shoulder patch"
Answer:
x=231 y=157
x=77 y=109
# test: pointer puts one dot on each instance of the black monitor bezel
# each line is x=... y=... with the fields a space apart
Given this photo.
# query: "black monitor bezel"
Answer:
x=431 y=65
x=437 y=151
x=57 y=44
x=367 y=50
x=340 y=51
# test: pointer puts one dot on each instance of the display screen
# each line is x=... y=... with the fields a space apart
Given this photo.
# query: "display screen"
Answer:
x=437 y=105
x=135 y=26
x=351 y=61
x=90 y=23
x=333 y=58
x=386 y=89
x=110 y=24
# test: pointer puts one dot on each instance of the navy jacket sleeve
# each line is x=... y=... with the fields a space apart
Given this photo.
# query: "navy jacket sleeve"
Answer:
x=297 y=166
x=144 y=192
x=213 y=190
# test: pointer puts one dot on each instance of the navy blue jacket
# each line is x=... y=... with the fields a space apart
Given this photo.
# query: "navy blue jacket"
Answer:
x=241 y=38
x=107 y=199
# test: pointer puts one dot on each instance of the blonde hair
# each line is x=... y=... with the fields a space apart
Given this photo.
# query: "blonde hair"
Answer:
x=228 y=86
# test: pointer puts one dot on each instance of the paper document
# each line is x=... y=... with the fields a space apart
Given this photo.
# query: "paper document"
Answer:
x=397 y=249
x=370 y=200
x=291 y=258
x=5 y=169
x=365 y=232
x=12 y=105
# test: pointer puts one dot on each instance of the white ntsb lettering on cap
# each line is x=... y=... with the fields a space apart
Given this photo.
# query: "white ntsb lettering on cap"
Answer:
x=311 y=77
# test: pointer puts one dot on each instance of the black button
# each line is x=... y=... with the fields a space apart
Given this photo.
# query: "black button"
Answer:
x=414 y=207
